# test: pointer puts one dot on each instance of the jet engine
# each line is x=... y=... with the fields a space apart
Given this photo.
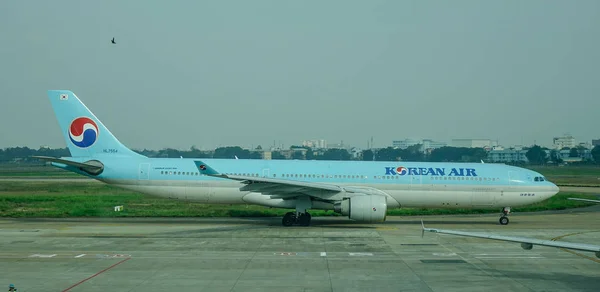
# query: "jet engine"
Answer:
x=526 y=246
x=365 y=208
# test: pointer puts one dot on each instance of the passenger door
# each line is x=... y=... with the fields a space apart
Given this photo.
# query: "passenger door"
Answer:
x=144 y=171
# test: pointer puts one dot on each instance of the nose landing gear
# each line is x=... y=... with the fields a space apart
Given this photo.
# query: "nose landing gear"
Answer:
x=504 y=217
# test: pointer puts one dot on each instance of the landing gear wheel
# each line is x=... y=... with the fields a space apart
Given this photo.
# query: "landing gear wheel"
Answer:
x=304 y=219
x=288 y=219
x=503 y=220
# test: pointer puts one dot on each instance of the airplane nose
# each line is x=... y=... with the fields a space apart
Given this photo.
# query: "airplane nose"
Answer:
x=555 y=189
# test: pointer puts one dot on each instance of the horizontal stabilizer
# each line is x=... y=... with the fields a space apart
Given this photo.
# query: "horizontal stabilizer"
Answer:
x=94 y=167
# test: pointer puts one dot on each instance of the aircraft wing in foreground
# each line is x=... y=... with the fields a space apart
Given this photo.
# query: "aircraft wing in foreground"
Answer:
x=585 y=200
x=526 y=243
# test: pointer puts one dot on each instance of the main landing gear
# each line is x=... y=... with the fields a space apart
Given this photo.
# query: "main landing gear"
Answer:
x=504 y=218
x=301 y=216
x=291 y=218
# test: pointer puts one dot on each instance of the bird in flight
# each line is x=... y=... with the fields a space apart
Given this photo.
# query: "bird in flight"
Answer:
x=113 y=41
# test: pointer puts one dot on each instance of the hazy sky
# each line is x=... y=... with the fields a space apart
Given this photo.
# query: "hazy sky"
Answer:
x=210 y=73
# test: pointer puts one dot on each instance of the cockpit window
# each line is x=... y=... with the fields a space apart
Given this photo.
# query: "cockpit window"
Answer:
x=537 y=178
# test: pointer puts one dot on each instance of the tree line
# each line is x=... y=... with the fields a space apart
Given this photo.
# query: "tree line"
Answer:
x=539 y=155
x=535 y=155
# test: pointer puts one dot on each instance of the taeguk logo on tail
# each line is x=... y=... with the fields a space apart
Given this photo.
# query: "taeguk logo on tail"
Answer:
x=83 y=132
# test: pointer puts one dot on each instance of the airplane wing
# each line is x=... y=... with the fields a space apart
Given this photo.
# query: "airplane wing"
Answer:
x=526 y=243
x=281 y=188
x=92 y=167
x=584 y=200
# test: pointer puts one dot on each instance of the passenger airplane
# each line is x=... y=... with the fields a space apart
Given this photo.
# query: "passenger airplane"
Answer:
x=361 y=190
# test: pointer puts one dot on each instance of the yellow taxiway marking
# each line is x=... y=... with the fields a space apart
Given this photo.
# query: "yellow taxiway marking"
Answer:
x=574 y=252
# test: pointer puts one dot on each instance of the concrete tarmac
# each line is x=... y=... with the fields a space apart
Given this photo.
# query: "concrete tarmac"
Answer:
x=230 y=254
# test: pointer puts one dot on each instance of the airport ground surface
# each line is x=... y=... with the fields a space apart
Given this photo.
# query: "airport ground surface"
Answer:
x=230 y=254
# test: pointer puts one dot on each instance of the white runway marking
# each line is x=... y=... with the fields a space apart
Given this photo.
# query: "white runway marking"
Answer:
x=360 y=254
x=42 y=255
x=81 y=255
x=323 y=254
x=448 y=254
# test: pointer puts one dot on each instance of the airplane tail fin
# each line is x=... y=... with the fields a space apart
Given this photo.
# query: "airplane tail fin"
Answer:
x=84 y=133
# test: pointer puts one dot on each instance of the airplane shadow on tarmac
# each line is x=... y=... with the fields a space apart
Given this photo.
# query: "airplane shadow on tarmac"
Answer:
x=260 y=222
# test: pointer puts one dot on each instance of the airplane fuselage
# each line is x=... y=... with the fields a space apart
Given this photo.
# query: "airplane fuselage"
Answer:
x=405 y=184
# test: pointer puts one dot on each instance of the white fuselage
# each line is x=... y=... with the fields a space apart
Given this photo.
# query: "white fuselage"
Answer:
x=399 y=195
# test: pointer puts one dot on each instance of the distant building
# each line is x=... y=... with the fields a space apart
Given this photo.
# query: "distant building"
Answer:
x=430 y=144
x=474 y=143
x=268 y=155
x=340 y=145
x=403 y=144
x=315 y=143
x=585 y=145
x=564 y=141
x=582 y=154
x=507 y=155
x=426 y=144
x=356 y=153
